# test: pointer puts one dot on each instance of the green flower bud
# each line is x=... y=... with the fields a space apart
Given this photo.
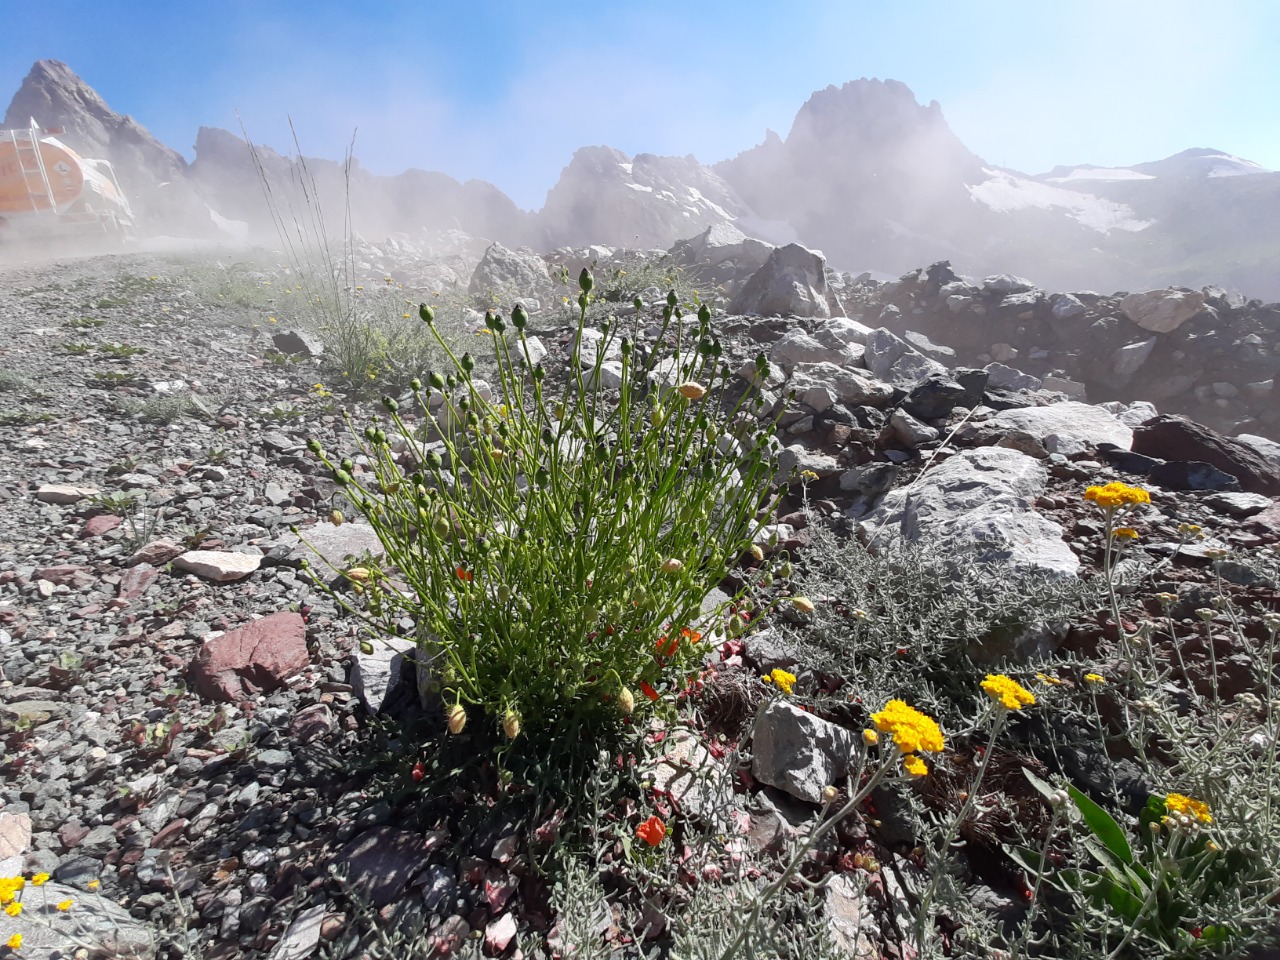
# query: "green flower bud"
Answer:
x=314 y=446
x=415 y=385
x=583 y=300
x=369 y=433
x=391 y=405
x=468 y=362
x=341 y=478
x=542 y=477
x=586 y=281
x=539 y=372
x=436 y=381
x=638 y=304
x=519 y=316
x=348 y=464
x=704 y=347
x=704 y=315
x=672 y=299
x=380 y=437
x=433 y=460
x=426 y=314
x=451 y=381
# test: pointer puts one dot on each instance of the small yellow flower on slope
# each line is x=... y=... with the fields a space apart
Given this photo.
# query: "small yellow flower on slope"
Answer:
x=870 y=737
x=14 y=908
x=784 y=680
x=1115 y=495
x=1096 y=679
x=1125 y=533
x=915 y=766
x=912 y=730
x=1007 y=692
x=64 y=905
x=1177 y=803
x=14 y=942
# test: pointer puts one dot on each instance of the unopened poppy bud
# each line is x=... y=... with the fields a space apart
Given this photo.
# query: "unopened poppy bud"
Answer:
x=736 y=624
x=829 y=794
x=519 y=316
x=390 y=404
x=757 y=551
x=511 y=724
x=704 y=314
x=314 y=446
x=336 y=518
x=692 y=390
x=784 y=569
x=457 y=717
x=436 y=381
x=358 y=573
x=586 y=281
x=657 y=415
x=803 y=604
x=638 y=304
x=626 y=702
x=672 y=299
x=468 y=362
x=426 y=313
x=672 y=565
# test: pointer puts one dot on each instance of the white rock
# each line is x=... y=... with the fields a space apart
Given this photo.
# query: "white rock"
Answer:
x=1162 y=311
x=218 y=565
x=1072 y=423
x=850 y=385
x=64 y=493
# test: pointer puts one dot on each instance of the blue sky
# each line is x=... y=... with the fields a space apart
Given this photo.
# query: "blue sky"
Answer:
x=506 y=91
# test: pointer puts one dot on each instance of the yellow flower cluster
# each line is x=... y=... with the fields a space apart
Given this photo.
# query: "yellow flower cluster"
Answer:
x=783 y=680
x=10 y=887
x=1007 y=692
x=912 y=730
x=1115 y=495
x=1176 y=803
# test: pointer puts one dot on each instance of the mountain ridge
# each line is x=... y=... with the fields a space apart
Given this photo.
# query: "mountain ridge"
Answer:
x=866 y=173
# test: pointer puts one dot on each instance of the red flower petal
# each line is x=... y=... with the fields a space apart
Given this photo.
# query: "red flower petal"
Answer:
x=653 y=831
x=647 y=690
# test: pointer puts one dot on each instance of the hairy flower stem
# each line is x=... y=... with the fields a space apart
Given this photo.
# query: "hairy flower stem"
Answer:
x=924 y=920
x=1033 y=908
x=798 y=858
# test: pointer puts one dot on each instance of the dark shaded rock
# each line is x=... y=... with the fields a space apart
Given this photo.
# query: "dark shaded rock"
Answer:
x=974 y=382
x=935 y=396
x=381 y=862
x=297 y=343
x=1172 y=475
x=258 y=657
x=1172 y=437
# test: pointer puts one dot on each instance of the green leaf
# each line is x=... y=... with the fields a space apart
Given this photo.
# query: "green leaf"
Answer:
x=1103 y=825
x=1043 y=788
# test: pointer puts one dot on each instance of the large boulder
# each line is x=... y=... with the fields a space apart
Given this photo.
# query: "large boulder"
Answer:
x=521 y=272
x=792 y=283
x=891 y=358
x=1162 y=311
x=1068 y=427
x=847 y=385
x=980 y=499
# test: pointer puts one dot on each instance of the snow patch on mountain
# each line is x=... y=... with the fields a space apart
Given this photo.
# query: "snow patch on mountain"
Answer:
x=1100 y=173
x=1005 y=192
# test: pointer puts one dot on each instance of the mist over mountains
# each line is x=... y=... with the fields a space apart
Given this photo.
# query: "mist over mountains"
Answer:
x=866 y=174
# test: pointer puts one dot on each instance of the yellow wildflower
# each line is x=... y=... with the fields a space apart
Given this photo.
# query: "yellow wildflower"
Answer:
x=14 y=908
x=1007 y=692
x=1115 y=495
x=39 y=880
x=1048 y=680
x=1096 y=679
x=915 y=766
x=912 y=730
x=870 y=737
x=1125 y=533
x=64 y=905
x=14 y=942
x=784 y=680
x=1178 y=803
x=94 y=884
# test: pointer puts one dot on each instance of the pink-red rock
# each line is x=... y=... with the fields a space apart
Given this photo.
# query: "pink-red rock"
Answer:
x=256 y=658
x=97 y=526
x=135 y=580
x=157 y=553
